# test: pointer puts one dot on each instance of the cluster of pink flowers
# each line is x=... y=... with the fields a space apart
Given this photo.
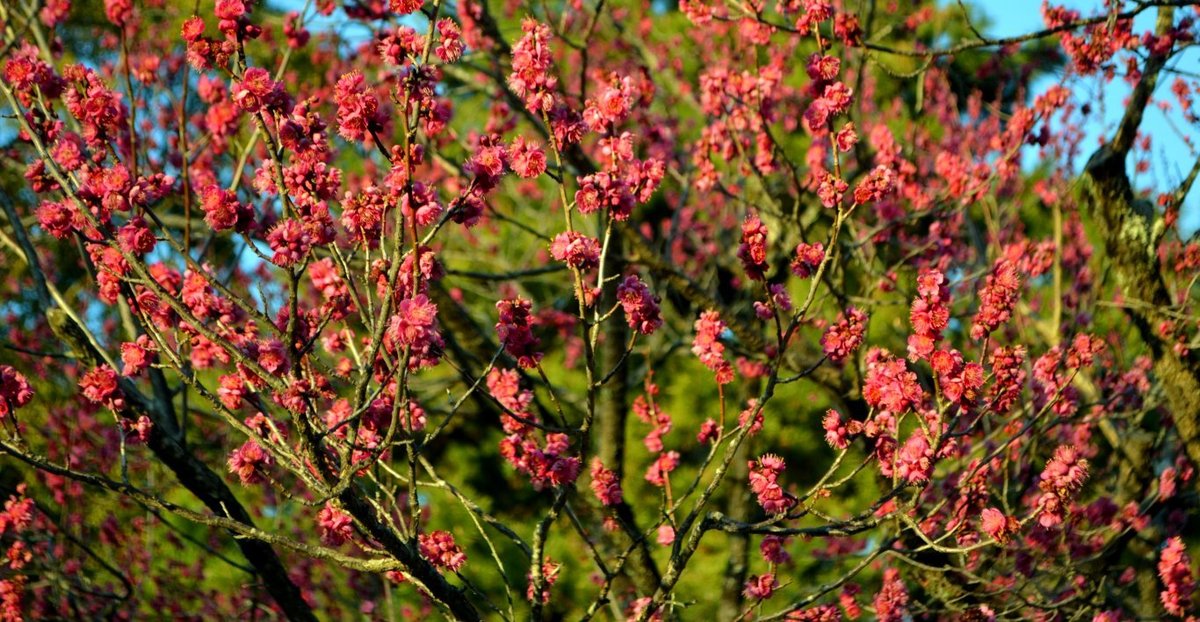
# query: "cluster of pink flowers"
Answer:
x=135 y=237
x=250 y=462
x=547 y=466
x=1008 y=377
x=1062 y=478
x=760 y=587
x=808 y=259
x=14 y=391
x=414 y=326
x=575 y=249
x=223 y=211
x=1098 y=43
x=515 y=329
x=844 y=336
x=890 y=385
x=136 y=355
x=891 y=603
x=930 y=314
x=604 y=191
x=707 y=345
x=1175 y=570
x=257 y=91
x=997 y=525
x=291 y=241
x=960 y=381
x=440 y=548
x=764 y=476
x=605 y=484
x=526 y=158
x=100 y=386
x=450 y=44
x=879 y=183
x=531 y=77
x=661 y=468
x=837 y=432
x=505 y=386
x=753 y=250
x=641 y=308
x=336 y=525
x=996 y=299
x=613 y=105
x=914 y=459
x=358 y=110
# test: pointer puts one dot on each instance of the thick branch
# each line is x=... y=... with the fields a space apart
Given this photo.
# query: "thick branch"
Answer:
x=1131 y=233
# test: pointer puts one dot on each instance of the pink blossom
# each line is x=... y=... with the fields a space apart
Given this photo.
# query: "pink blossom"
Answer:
x=996 y=299
x=515 y=329
x=14 y=391
x=760 y=587
x=1175 y=570
x=337 y=527
x=641 y=308
x=100 y=386
x=707 y=345
x=439 y=547
x=808 y=259
x=605 y=484
x=753 y=251
x=845 y=335
x=575 y=249
x=891 y=603
x=764 y=475
x=998 y=526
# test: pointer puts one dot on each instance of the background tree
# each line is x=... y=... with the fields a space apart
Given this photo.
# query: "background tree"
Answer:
x=805 y=310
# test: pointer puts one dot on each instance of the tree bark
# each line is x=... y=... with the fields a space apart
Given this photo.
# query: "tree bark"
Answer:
x=1131 y=234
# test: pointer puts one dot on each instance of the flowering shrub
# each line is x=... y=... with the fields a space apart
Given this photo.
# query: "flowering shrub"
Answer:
x=344 y=311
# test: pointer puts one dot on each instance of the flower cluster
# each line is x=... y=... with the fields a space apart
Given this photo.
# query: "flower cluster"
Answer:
x=661 y=468
x=440 y=548
x=531 y=77
x=14 y=391
x=336 y=525
x=604 y=191
x=890 y=386
x=359 y=114
x=641 y=308
x=413 y=328
x=547 y=466
x=100 y=386
x=707 y=345
x=891 y=602
x=515 y=329
x=808 y=259
x=250 y=462
x=575 y=249
x=1008 y=371
x=223 y=211
x=753 y=251
x=1062 y=478
x=764 y=476
x=845 y=335
x=996 y=299
x=930 y=314
x=1175 y=570
x=998 y=526
x=605 y=484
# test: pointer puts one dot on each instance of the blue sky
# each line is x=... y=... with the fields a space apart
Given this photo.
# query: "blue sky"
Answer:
x=1173 y=157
